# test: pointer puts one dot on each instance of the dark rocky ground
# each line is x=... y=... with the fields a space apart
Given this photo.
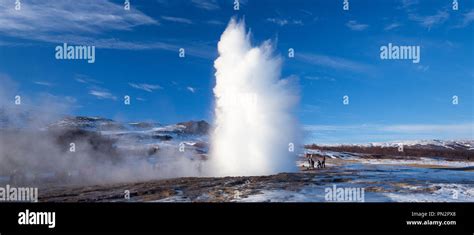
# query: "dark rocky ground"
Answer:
x=187 y=189
x=306 y=185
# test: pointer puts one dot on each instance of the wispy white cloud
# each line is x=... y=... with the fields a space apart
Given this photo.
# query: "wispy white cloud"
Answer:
x=145 y=87
x=467 y=20
x=333 y=62
x=280 y=22
x=101 y=94
x=67 y=17
x=85 y=79
x=200 y=50
x=215 y=22
x=177 y=19
x=196 y=49
x=426 y=21
x=87 y=23
x=423 y=68
x=319 y=78
x=80 y=80
x=283 y=22
x=355 y=26
x=392 y=26
x=309 y=108
x=191 y=89
x=306 y=12
x=43 y=83
x=430 y=21
x=209 y=5
x=409 y=3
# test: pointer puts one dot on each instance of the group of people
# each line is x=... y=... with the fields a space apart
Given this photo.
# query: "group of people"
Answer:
x=321 y=164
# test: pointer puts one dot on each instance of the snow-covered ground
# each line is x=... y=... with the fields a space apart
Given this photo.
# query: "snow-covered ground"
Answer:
x=444 y=193
x=419 y=162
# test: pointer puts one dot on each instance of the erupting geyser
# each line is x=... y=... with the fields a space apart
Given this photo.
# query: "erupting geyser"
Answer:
x=254 y=128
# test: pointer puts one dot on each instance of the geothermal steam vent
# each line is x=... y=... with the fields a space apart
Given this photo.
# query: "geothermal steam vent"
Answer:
x=253 y=123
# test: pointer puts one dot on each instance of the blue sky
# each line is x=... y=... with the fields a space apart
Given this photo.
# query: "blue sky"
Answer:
x=337 y=53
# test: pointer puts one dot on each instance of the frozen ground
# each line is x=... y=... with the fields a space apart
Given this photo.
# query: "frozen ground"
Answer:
x=153 y=169
x=425 y=180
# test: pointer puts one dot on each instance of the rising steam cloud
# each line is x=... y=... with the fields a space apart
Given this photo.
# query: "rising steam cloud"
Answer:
x=40 y=155
x=254 y=128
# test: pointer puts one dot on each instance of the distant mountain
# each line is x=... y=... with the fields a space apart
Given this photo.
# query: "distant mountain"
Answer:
x=431 y=144
x=195 y=127
x=143 y=125
x=87 y=123
x=451 y=149
x=111 y=127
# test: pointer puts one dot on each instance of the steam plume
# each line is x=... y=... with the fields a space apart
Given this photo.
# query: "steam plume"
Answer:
x=253 y=122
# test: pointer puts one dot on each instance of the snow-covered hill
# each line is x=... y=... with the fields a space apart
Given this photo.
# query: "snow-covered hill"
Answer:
x=430 y=144
x=422 y=144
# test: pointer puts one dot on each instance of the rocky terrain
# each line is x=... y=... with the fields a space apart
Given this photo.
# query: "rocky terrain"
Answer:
x=144 y=160
x=381 y=184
